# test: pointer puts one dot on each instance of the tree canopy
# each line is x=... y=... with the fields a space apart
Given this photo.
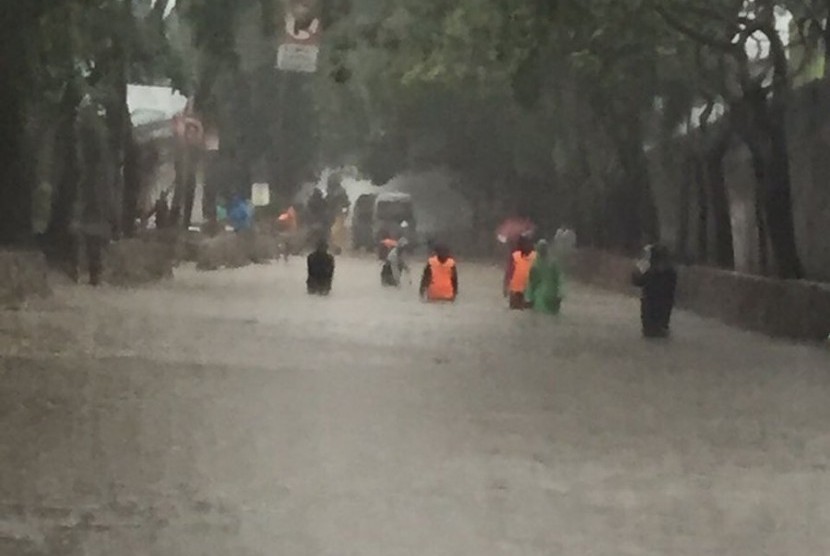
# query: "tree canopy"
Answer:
x=552 y=106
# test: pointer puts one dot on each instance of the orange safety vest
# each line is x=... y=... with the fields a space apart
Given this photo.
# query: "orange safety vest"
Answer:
x=521 y=271
x=440 y=288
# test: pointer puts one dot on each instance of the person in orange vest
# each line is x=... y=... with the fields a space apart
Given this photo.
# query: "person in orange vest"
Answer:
x=440 y=279
x=518 y=273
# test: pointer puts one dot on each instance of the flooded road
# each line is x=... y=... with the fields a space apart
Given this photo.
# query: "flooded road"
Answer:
x=230 y=414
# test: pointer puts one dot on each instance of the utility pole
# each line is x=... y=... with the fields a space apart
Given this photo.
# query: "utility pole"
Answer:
x=298 y=51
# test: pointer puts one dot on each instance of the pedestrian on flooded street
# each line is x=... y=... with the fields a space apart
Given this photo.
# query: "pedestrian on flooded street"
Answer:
x=439 y=282
x=395 y=265
x=241 y=214
x=288 y=227
x=657 y=278
x=564 y=246
x=161 y=211
x=517 y=275
x=544 y=288
x=320 y=270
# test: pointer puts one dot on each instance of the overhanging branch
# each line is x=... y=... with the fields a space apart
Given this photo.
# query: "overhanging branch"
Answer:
x=694 y=34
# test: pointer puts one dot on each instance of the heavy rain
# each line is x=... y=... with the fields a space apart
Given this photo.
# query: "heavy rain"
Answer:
x=414 y=277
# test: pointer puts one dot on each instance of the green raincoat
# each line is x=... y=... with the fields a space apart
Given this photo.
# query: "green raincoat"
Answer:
x=544 y=290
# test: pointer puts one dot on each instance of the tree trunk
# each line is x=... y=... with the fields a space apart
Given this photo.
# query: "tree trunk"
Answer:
x=826 y=33
x=97 y=170
x=635 y=206
x=190 y=190
x=15 y=187
x=211 y=190
x=180 y=187
x=774 y=207
x=703 y=212
x=721 y=210
x=691 y=179
x=132 y=182
x=761 y=232
x=779 y=209
x=118 y=123
x=759 y=162
x=763 y=128
x=65 y=195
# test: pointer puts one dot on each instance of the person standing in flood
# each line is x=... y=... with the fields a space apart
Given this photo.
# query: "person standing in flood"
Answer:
x=161 y=210
x=320 y=270
x=395 y=265
x=440 y=279
x=544 y=288
x=657 y=278
x=97 y=205
x=517 y=275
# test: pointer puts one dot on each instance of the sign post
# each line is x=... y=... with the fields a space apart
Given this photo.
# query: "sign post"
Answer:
x=260 y=195
x=298 y=52
x=300 y=41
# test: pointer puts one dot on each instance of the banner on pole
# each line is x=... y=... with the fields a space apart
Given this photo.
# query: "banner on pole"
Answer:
x=299 y=45
x=298 y=58
x=212 y=139
x=260 y=195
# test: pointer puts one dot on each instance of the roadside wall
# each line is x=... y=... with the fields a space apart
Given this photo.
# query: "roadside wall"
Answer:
x=23 y=275
x=790 y=309
x=235 y=250
x=142 y=260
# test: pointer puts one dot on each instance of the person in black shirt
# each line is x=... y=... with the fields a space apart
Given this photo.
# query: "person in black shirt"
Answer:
x=320 y=270
x=657 y=278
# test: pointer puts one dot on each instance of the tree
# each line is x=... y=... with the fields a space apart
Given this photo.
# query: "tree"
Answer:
x=756 y=91
x=18 y=23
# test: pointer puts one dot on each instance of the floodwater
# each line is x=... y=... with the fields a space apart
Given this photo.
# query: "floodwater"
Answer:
x=230 y=414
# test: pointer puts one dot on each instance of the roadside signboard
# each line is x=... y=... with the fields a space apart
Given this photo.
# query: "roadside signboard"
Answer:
x=297 y=58
x=300 y=40
x=211 y=139
x=260 y=195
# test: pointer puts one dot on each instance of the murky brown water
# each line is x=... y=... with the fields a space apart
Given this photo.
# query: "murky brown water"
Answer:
x=228 y=413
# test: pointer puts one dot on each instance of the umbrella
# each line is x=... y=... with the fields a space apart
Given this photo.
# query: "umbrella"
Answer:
x=513 y=228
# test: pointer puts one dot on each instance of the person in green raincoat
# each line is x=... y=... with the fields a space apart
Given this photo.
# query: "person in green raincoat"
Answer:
x=544 y=289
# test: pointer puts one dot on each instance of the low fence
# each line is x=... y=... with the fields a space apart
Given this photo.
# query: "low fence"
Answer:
x=23 y=275
x=790 y=309
x=141 y=260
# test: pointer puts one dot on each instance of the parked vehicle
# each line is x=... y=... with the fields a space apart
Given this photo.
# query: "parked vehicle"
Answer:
x=362 y=221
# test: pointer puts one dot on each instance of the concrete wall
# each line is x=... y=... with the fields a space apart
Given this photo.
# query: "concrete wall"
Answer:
x=790 y=309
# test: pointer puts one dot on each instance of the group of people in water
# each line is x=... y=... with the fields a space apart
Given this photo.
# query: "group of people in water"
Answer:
x=533 y=278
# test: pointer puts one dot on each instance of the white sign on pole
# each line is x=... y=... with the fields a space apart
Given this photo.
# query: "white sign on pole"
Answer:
x=300 y=58
x=211 y=140
x=299 y=45
x=260 y=195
